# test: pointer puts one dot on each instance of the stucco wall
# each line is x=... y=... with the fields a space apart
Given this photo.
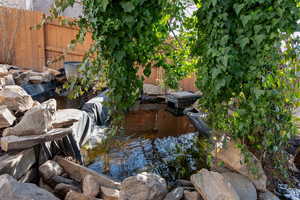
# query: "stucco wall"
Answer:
x=23 y=4
x=44 y=5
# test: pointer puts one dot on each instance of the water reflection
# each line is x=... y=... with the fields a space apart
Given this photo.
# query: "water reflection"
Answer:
x=155 y=141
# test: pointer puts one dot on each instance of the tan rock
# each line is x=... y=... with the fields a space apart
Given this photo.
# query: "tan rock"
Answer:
x=90 y=186
x=49 y=169
x=6 y=117
x=242 y=185
x=36 y=121
x=73 y=195
x=3 y=70
x=213 y=186
x=187 y=195
x=109 y=193
x=15 y=98
x=234 y=159
x=62 y=189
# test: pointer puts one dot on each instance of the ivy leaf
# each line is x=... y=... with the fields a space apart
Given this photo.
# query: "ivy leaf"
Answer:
x=127 y=6
x=245 y=19
x=238 y=7
x=258 y=92
x=243 y=42
x=104 y=4
x=259 y=38
x=215 y=72
x=214 y=2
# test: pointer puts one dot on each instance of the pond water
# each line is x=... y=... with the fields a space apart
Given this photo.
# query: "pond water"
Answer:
x=153 y=140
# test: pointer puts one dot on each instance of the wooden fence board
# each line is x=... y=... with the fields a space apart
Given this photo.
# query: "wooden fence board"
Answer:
x=36 y=49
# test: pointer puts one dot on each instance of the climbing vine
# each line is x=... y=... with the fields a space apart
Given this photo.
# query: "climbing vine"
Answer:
x=246 y=71
x=243 y=52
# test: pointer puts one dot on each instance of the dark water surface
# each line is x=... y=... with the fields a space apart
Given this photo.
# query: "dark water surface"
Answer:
x=154 y=140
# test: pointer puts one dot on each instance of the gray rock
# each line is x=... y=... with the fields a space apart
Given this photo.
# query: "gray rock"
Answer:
x=36 y=121
x=109 y=193
x=66 y=117
x=144 y=186
x=90 y=186
x=6 y=117
x=10 y=189
x=242 y=185
x=234 y=159
x=50 y=169
x=191 y=195
x=267 y=196
x=62 y=189
x=213 y=186
x=15 y=98
x=3 y=70
x=175 y=194
x=73 y=195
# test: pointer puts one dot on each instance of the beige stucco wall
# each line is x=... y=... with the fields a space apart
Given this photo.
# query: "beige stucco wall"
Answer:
x=23 y=4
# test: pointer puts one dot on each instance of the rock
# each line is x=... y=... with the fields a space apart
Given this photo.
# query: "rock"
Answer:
x=234 y=159
x=66 y=117
x=9 y=80
x=242 y=185
x=50 y=169
x=62 y=189
x=213 y=186
x=146 y=186
x=10 y=189
x=187 y=195
x=36 y=79
x=152 y=89
x=15 y=98
x=267 y=196
x=6 y=117
x=36 y=121
x=73 y=195
x=3 y=70
x=109 y=193
x=182 y=182
x=55 y=180
x=45 y=186
x=90 y=186
x=175 y=194
x=39 y=77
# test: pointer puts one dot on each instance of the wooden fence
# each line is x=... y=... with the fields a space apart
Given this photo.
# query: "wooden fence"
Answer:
x=23 y=46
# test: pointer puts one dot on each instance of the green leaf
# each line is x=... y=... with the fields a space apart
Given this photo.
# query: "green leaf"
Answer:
x=259 y=38
x=238 y=7
x=243 y=42
x=127 y=6
x=104 y=4
x=214 y=2
x=245 y=19
x=215 y=72
x=147 y=70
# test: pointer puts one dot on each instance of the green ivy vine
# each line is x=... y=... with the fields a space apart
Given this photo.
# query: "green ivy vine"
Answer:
x=247 y=78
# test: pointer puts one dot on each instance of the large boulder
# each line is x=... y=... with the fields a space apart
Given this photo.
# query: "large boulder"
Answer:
x=36 y=121
x=11 y=189
x=144 y=186
x=187 y=195
x=15 y=98
x=234 y=159
x=109 y=193
x=242 y=185
x=213 y=186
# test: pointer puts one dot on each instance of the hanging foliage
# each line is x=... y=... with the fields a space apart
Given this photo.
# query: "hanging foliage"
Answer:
x=246 y=74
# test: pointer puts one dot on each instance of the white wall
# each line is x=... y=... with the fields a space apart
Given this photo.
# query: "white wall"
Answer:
x=15 y=3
